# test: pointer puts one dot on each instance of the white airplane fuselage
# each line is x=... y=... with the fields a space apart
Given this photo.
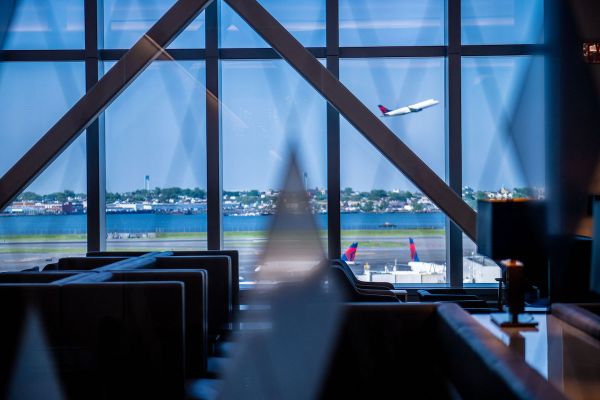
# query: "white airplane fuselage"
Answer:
x=412 y=108
x=425 y=267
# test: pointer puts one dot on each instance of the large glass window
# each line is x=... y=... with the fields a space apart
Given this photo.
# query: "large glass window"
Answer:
x=268 y=110
x=392 y=23
x=47 y=220
x=382 y=211
x=45 y=25
x=503 y=138
x=156 y=160
x=502 y=21
x=303 y=19
x=125 y=21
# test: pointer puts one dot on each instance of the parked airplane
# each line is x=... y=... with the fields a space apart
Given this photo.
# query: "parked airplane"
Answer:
x=350 y=254
x=417 y=265
x=407 y=110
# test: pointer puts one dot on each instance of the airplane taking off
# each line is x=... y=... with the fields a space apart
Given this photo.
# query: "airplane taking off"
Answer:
x=350 y=254
x=407 y=110
x=417 y=265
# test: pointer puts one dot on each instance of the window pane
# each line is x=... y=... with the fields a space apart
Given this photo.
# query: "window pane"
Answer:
x=125 y=21
x=155 y=160
x=47 y=221
x=381 y=209
x=503 y=138
x=45 y=25
x=267 y=107
x=392 y=23
x=303 y=19
x=57 y=86
x=397 y=83
x=502 y=21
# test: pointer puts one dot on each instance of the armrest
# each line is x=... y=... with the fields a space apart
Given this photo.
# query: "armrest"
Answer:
x=375 y=285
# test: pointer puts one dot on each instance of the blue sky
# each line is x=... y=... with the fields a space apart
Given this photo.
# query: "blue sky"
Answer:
x=156 y=127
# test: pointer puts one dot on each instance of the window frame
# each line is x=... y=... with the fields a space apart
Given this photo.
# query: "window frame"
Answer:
x=95 y=54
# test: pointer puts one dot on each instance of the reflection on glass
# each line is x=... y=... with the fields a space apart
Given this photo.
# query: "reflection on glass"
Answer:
x=392 y=23
x=305 y=20
x=267 y=110
x=156 y=160
x=503 y=127
x=502 y=21
x=46 y=25
x=503 y=139
x=125 y=21
x=47 y=220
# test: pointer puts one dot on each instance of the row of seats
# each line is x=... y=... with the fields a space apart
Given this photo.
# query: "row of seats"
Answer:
x=385 y=348
x=121 y=325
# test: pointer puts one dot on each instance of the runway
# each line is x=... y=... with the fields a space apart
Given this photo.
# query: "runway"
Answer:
x=20 y=255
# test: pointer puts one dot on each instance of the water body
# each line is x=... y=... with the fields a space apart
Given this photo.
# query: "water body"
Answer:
x=141 y=223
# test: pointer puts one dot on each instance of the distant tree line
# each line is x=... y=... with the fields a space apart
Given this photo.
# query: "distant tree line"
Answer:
x=252 y=196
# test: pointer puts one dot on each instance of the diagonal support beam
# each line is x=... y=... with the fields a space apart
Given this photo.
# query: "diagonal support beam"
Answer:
x=357 y=114
x=99 y=97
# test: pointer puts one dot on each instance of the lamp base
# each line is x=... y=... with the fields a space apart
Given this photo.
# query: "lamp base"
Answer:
x=506 y=320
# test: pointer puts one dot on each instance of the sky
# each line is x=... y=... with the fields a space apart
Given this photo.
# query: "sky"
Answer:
x=156 y=127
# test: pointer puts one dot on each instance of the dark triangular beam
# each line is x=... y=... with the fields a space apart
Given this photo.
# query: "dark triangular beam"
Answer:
x=98 y=98
x=357 y=114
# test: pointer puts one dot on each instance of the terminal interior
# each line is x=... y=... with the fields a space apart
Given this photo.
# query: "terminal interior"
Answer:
x=273 y=199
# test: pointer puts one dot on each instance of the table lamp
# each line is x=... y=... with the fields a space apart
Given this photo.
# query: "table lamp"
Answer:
x=512 y=232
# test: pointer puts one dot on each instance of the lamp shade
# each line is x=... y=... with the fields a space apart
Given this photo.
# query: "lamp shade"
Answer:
x=512 y=229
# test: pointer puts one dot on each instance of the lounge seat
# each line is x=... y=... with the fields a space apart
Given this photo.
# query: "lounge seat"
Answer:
x=429 y=351
x=343 y=280
x=583 y=316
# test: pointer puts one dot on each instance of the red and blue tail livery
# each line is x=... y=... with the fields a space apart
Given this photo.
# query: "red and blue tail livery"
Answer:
x=383 y=109
x=413 y=250
x=350 y=253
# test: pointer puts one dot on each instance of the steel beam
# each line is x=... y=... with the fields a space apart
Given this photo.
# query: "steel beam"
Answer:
x=333 y=137
x=95 y=154
x=372 y=128
x=454 y=247
x=99 y=97
x=214 y=164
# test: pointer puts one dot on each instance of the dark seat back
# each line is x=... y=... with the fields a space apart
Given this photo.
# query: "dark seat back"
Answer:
x=83 y=263
x=29 y=312
x=123 y=340
x=232 y=254
x=34 y=277
x=235 y=268
x=220 y=305
x=384 y=350
x=195 y=291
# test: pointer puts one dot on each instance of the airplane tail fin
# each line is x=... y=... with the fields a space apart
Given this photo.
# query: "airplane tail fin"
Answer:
x=383 y=109
x=350 y=253
x=413 y=250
